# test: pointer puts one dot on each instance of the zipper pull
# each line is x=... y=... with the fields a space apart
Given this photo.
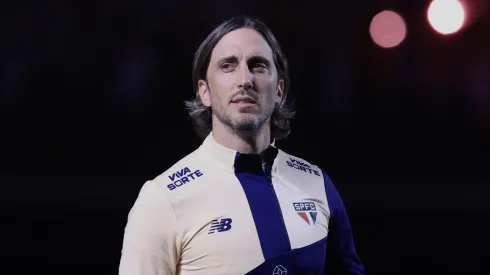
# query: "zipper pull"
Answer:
x=268 y=171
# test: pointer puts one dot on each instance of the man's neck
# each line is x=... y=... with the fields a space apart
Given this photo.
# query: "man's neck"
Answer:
x=253 y=144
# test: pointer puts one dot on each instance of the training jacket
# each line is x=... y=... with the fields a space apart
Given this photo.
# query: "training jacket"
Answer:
x=218 y=211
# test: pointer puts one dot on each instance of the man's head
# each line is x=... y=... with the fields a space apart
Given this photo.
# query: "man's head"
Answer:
x=241 y=79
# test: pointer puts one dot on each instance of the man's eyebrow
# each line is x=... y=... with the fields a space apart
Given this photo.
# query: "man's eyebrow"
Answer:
x=256 y=57
x=259 y=58
x=230 y=58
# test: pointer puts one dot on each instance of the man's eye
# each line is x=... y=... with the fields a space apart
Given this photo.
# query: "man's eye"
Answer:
x=259 y=67
x=226 y=66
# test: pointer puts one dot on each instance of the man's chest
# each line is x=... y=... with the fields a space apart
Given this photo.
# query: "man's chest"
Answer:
x=235 y=222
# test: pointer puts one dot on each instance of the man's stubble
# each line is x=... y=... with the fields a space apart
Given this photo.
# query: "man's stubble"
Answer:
x=247 y=126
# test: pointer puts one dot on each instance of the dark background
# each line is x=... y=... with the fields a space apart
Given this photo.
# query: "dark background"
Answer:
x=91 y=106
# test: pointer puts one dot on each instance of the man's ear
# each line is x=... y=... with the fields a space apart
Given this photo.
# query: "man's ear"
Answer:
x=204 y=93
x=280 y=92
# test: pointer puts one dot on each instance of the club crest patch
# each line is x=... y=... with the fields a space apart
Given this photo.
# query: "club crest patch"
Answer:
x=307 y=211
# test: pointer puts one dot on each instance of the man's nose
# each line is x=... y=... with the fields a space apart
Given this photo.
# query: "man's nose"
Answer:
x=245 y=78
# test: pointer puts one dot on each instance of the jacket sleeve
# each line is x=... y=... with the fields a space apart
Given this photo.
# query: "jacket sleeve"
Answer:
x=342 y=257
x=151 y=245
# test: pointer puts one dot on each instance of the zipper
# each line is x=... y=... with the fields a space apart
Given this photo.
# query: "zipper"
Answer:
x=269 y=177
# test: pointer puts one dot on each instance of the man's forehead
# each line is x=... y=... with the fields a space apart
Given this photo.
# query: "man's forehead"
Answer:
x=241 y=42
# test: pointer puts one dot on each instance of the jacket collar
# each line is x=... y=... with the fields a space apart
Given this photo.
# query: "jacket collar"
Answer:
x=231 y=159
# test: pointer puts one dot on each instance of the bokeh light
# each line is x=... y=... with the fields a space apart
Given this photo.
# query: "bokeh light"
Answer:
x=387 y=29
x=446 y=16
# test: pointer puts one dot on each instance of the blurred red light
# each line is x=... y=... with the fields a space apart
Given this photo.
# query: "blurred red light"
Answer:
x=387 y=29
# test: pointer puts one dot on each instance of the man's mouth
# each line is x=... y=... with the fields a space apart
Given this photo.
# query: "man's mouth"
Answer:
x=243 y=100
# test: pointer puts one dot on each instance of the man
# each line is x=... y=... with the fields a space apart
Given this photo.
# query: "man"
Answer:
x=238 y=204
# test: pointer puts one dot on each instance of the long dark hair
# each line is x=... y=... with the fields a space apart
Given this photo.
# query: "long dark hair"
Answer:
x=201 y=115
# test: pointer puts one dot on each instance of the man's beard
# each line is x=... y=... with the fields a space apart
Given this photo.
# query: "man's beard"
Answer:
x=245 y=126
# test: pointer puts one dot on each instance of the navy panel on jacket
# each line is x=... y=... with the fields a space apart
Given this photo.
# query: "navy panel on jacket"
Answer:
x=342 y=257
x=309 y=260
x=263 y=203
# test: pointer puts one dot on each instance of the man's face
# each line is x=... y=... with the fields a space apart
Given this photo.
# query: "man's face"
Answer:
x=243 y=85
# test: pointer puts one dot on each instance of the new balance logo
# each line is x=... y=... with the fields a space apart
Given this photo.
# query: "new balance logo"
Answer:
x=305 y=208
x=220 y=225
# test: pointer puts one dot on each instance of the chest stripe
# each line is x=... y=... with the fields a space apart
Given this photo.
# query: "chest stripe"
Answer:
x=266 y=212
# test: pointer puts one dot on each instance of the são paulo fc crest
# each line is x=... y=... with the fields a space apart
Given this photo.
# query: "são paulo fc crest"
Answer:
x=307 y=211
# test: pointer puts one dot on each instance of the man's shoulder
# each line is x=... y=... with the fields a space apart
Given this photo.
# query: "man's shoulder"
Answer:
x=186 y=168
x=299 y=164
x=296 y=159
